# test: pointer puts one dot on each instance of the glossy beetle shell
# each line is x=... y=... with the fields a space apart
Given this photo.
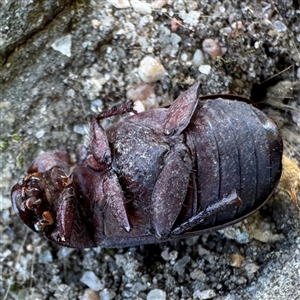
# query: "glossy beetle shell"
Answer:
x=204 y=163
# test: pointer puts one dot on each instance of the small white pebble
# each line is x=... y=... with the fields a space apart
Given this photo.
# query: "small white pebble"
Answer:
x=184 y=57
x=64 y=252
x=71 y=93
x=63 y=45
x=166 y=255
x=45 y=257
x=175 y=39
x=206 y=294
x=157 y=4
x=251 y=268
x=150 y=69
x=197 y=58
x=95 y=23
x=190 y=18
x=5 y=254
x=92 y=281
x=107 y=294
x=279 y=26
x=156 y=294
x=141 y=7
x=205 y=69
x=120 y=3
x=139 y=106
x=237 y=25
x=40 y=134
x=80 y=129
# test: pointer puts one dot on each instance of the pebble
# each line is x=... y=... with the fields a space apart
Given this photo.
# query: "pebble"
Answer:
x=92 y=87
x=190 y=18
x=5 y=254
x=63 y=45
x=107 y=294
x=279 y=26
x=205 y=69
x=141 y=7
x=45 y=257
x=243 y=238
x=139 y=106
x=184 y=57
x=142 y=95
x=90 y=279
x=120 y=3
x=237 y=25
x=236 y=260
x=198 y=274
x=90 y=295
x=65 y=252
x=175 y=39
x=157 y=4
x=181 y=263
x=212 y=47
x=40 y=134
x=166 y=255
x=251 y=268
x=206 y=294
x=156 y=294
x=138 y=287
x=197 y=58
x=150 y=70
x=80 y=129
x=95 y=23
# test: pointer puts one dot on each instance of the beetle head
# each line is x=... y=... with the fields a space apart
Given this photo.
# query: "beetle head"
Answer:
x=46 y=201
x=33 y=198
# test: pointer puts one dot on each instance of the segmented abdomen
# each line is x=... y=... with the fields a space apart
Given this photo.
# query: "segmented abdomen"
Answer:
x=237 y=147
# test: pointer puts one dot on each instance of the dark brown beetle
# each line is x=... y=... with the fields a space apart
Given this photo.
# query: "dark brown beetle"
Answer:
x=202 y=164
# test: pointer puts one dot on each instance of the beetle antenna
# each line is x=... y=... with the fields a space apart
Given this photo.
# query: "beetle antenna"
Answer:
x=117 y=110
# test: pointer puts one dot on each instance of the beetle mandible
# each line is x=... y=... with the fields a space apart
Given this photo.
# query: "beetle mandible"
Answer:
x=202 y=164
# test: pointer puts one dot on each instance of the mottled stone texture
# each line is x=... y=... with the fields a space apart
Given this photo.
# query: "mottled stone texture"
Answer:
x=47 y=99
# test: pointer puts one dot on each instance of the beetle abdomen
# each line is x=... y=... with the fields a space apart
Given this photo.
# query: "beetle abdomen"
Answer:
x=237 y=148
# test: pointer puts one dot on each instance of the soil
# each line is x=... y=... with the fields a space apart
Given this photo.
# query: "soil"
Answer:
x=62 y=61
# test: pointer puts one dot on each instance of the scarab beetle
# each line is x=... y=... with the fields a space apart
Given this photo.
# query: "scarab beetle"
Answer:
x=202 y=164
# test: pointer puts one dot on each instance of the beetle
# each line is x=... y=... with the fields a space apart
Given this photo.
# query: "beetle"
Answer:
x=202 y=164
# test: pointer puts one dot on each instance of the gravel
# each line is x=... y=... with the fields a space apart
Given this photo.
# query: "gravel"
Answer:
x=63 y=62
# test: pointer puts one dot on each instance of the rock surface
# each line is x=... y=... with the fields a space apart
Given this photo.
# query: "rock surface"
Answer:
x=47 y=99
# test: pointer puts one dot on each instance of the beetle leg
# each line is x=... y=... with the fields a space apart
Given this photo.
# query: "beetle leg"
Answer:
x=170 y=191
x=99 y=146
x=47 y=219
x=232 y=199
x=67 y=210
x=181 y=111
x=117 y=110
x=116 y=200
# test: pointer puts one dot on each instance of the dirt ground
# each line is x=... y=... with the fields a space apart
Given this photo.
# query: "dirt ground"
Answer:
x=63 y=61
